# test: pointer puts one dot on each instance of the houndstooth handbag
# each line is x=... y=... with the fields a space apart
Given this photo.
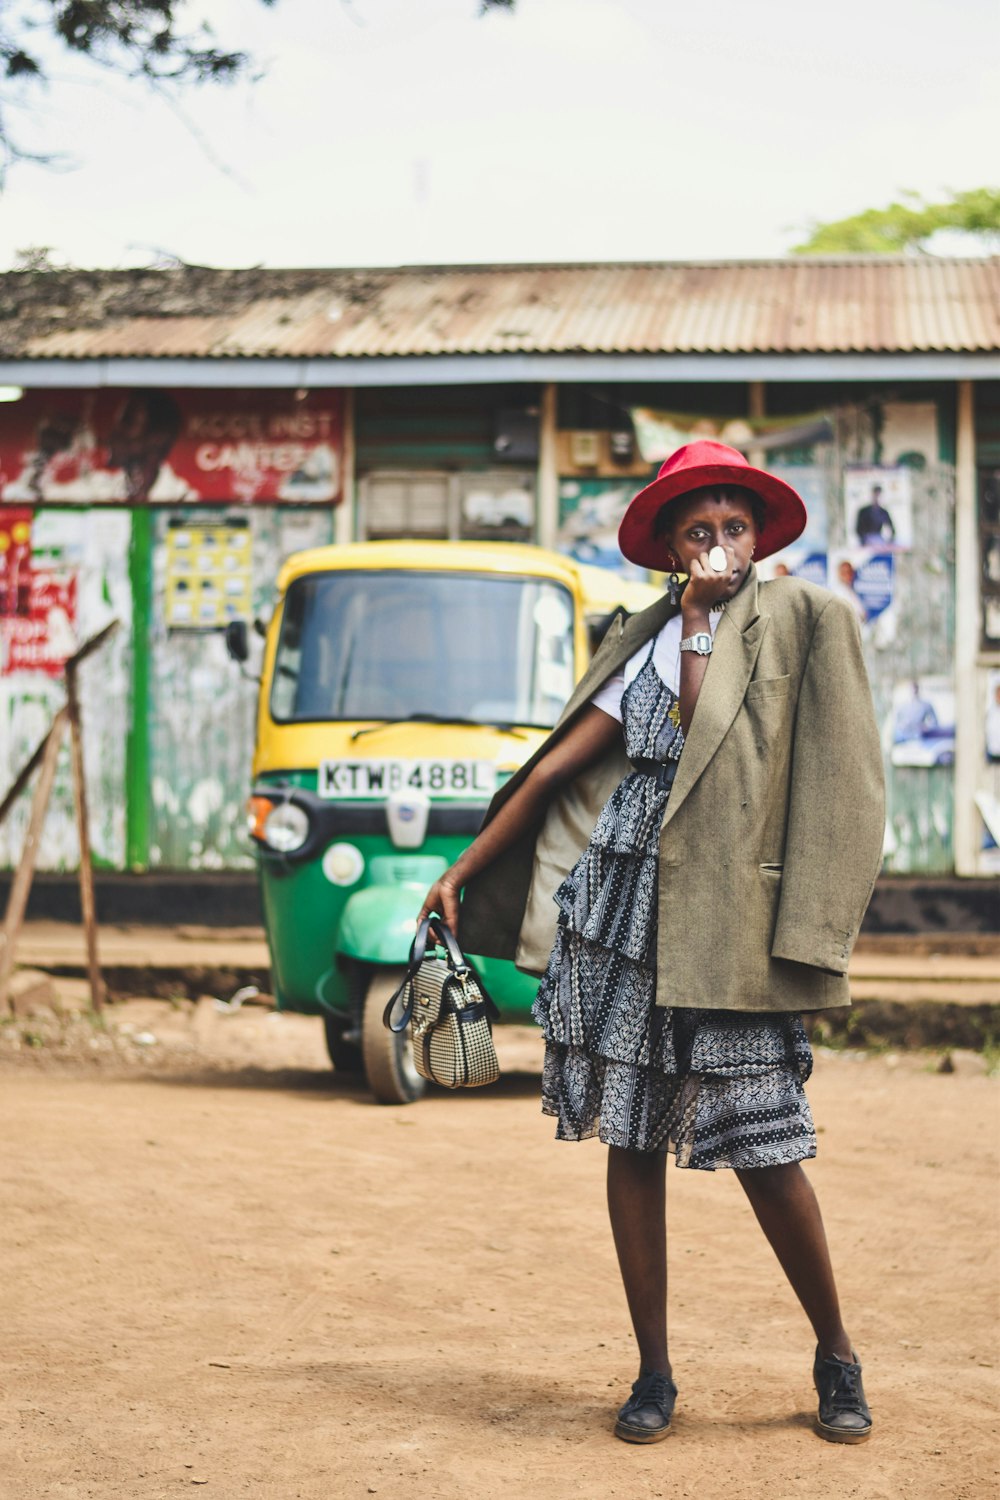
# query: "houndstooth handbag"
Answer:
x=449 y=1011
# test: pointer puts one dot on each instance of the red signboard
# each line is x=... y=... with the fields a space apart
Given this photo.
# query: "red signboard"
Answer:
x=41 y=641
x=172 y=447
x=37 y=603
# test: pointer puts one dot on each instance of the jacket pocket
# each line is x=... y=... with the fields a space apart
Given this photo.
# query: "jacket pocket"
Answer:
x=768 y=687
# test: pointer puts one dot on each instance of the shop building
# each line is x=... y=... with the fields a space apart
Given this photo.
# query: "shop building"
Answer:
x=174 y=434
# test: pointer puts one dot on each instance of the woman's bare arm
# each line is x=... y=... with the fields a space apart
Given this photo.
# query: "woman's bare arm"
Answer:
x=590 y=737
x=704 y=588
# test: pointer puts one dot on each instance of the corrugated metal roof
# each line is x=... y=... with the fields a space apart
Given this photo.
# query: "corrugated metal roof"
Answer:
x=863 y=305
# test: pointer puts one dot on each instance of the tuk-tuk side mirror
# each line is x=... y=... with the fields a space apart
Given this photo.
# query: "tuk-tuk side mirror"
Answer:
x=237 y=643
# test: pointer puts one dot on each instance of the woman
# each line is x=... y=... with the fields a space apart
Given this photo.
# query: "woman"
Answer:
x=708 y=816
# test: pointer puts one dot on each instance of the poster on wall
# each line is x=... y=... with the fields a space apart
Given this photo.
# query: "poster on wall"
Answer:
x=922 y=728
x=590 y=512
x=73 y=447
x=867 y=580
x=208 y=575
x=659 y=434
x=38 y=601
x=993 y=717
x=878 y=506
x=806 y=557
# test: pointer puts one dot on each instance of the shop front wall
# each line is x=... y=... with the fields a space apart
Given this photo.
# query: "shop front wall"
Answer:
x=840 y=448
x=65 y=577
x=168 y=717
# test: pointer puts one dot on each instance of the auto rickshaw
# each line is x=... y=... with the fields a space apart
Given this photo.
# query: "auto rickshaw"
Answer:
x=402 y=682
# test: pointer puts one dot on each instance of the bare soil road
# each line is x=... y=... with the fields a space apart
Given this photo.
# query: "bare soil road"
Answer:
x=226 y=1271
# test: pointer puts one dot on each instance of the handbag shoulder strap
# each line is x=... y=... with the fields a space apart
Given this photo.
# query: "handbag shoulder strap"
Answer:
x=418 y=948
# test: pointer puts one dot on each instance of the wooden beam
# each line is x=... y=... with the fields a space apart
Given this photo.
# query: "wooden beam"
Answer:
x=88 y=906
x=548 y=468
x=969 y=726
x=17 y=902
x=344 y=523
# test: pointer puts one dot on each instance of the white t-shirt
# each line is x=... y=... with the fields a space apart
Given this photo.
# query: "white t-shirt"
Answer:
x=666 y=660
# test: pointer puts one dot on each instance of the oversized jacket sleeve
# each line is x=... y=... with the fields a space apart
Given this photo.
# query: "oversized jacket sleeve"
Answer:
x=836 y=815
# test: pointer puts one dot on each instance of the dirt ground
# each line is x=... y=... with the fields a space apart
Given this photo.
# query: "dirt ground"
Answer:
x=224 y=1267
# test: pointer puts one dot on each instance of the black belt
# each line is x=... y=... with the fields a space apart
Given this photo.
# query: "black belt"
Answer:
x=663 y=771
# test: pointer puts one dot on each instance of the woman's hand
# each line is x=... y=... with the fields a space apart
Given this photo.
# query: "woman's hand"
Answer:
x=705 y=586
x=442 y=899
x=590 y=737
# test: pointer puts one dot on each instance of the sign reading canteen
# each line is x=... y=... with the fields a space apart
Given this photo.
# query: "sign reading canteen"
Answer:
x=171 y=447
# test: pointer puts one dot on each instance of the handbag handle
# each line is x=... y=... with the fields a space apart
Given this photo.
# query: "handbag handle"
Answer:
x=443 y=937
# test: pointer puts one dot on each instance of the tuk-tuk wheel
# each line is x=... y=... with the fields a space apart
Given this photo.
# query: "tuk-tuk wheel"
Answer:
x=345 y=1056
x=392 y=1073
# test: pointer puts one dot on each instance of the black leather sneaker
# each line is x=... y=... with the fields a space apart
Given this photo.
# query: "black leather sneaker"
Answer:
x=843 y=1411
x=645 y=1417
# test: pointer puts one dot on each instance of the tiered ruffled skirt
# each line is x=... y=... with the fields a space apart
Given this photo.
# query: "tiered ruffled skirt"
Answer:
x=719 y=1088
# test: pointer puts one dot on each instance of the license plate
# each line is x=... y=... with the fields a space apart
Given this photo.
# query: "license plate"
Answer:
x=460 y=779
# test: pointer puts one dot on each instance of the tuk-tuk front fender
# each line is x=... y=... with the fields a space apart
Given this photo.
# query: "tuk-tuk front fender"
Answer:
x=378 y=923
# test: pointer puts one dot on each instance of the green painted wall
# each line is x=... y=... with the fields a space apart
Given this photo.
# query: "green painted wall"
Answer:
x=438 y=427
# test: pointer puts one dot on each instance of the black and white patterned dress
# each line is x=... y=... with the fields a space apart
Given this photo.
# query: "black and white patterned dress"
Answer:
x=719 y=1088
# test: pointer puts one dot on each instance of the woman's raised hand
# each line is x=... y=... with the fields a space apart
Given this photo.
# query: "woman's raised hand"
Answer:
x=442 y=900
x=705 y=586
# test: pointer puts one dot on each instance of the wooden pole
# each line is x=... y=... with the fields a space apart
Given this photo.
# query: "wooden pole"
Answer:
x=969 y=724
x=21 y=885
x=23 y=777
x=548 y=467
x=757 y=455
x=344 y=515
x=87 y=903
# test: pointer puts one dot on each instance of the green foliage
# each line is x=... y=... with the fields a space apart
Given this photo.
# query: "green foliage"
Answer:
x=908 y=225
x=143 y=39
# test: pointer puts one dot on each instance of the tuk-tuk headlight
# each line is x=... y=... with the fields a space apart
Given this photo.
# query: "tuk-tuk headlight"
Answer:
x=285 y=828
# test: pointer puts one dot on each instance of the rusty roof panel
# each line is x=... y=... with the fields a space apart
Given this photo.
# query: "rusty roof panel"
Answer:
x=863 y=305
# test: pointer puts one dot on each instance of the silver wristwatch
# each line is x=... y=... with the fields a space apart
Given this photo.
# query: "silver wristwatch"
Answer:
x=702 y=643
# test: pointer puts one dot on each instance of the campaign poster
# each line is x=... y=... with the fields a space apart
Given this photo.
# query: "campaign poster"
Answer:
x=878 y=507
x=993 y=717
x=170 y=446
x=866 y=579
x=923 y=722
x=806 y=557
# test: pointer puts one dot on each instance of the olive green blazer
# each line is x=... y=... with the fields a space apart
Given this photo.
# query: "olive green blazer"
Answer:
x=772 y=837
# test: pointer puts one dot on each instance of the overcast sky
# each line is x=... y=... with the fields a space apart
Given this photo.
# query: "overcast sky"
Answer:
x=409 y=131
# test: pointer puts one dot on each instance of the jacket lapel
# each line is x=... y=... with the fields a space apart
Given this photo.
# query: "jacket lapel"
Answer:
x=737 y=642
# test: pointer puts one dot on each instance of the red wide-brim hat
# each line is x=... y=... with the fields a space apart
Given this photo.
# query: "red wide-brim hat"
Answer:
x=690 y=468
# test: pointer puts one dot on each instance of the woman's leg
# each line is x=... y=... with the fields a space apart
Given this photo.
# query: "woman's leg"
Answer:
x=787 y=1211
x=637 y=1204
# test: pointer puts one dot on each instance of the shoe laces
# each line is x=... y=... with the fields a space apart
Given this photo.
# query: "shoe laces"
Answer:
x=656 y=1388
x=846 y=1393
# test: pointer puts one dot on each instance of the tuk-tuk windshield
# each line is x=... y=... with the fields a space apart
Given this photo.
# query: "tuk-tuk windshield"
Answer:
x=390 y=645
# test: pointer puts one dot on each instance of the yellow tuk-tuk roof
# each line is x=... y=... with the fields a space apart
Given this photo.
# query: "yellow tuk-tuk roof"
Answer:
x=601 y=589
